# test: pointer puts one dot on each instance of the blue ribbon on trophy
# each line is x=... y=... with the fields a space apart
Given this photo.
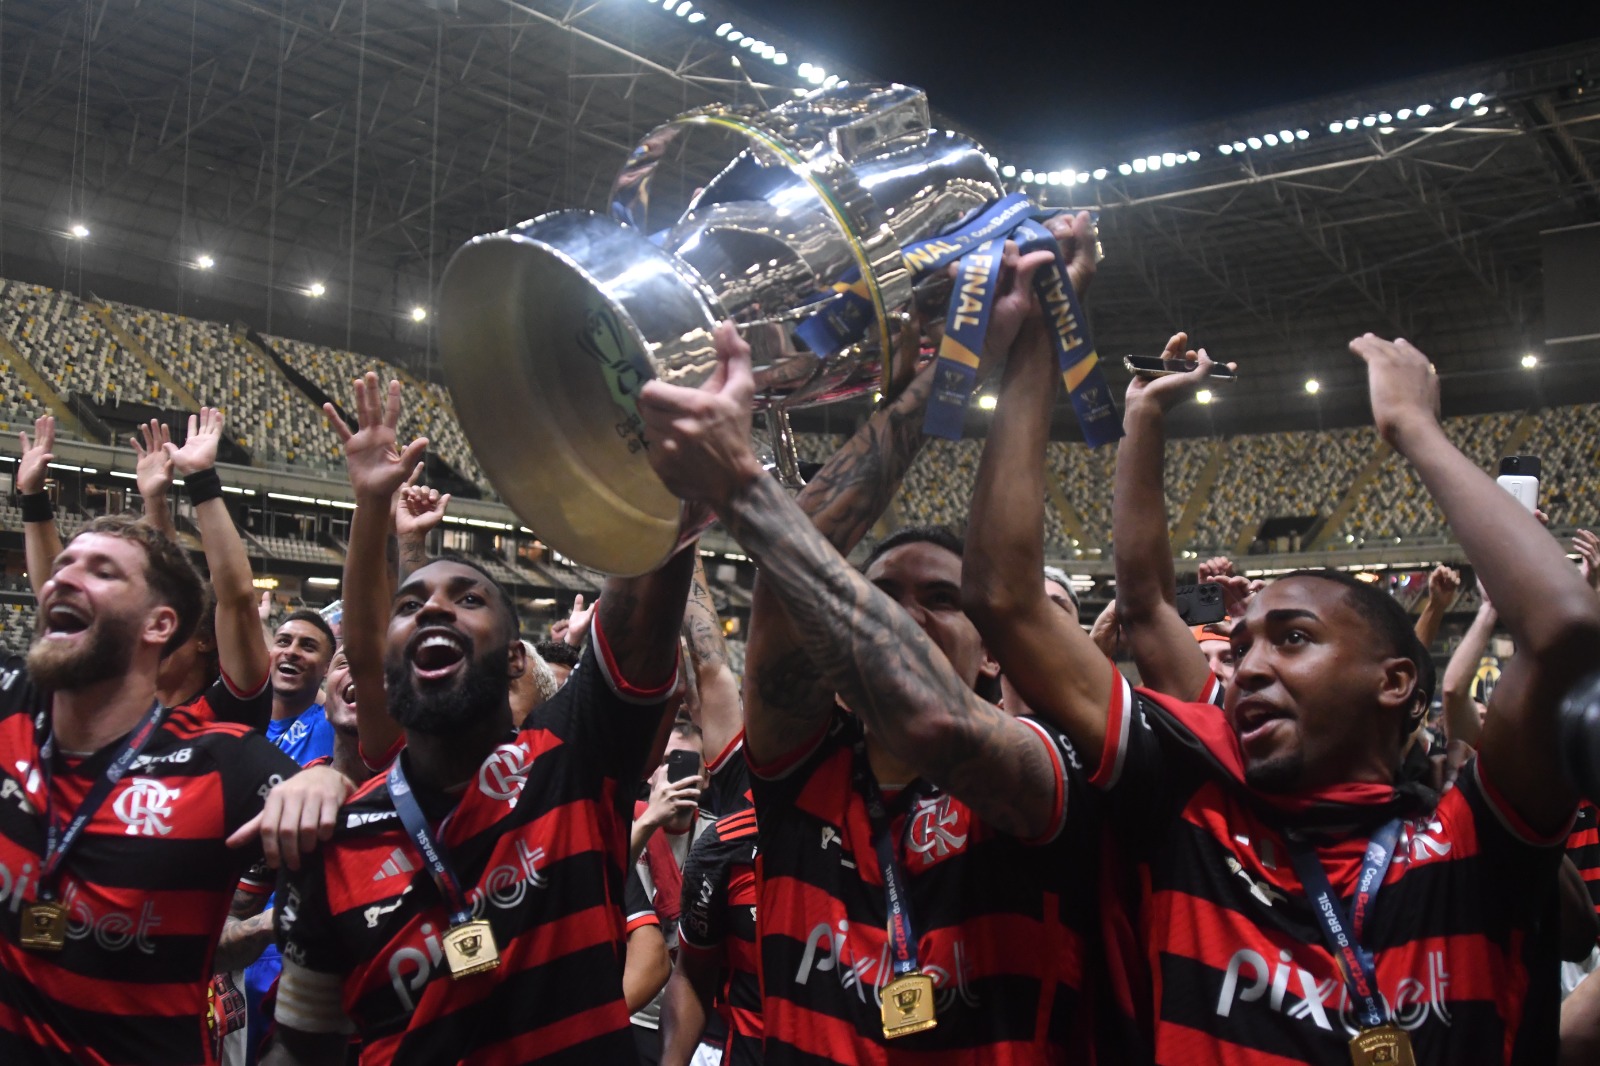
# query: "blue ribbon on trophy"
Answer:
x=842 y=317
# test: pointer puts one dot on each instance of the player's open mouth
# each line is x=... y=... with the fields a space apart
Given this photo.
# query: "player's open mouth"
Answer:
x=1255 y=721
x=63 y=620
x=437 y=653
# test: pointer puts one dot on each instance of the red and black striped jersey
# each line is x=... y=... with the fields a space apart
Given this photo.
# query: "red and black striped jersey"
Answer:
x=636 y=909
x=1001 y=944
x=223 y=701
x=717 y=922
x=729 y=774
x=147 y=886
x=539 y=840
x=1227 y=962
x=1583 y=848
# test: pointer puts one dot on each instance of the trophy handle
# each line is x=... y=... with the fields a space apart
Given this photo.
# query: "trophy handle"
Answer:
x=786 y=457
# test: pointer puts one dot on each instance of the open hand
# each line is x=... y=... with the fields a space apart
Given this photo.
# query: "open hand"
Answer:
x=376 y=463
x=199 y=451
x=1403 y=385
x=152 y=469
x=36 y=457
x=699 y=439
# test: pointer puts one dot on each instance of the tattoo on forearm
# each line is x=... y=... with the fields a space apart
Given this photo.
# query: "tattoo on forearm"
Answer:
x=864 y=647
x=413 y=554
x=852 y=490
x=246 y=904
x=242 y=942
x=701 y=625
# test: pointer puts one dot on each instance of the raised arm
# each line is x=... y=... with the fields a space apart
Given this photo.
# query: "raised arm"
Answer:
x=721 y=711
x=786 y=703
x=153 y=474
x=378 y=466
x=1169 y=659
x=240 y=647
x=1462 y=720
x=41 y=540
x=864 y=646
x=1051 y=662
x=1550 y=611
x=1443 y=584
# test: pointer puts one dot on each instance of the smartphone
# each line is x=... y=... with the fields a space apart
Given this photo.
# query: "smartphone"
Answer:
x=682 y=764
x=1201 y=604
x=1153 y=366
x=1519 y=475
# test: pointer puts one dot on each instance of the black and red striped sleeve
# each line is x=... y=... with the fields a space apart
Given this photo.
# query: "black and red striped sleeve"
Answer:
x=636 y=903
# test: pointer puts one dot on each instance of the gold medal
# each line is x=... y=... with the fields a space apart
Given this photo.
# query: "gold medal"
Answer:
x=907 y=1005
x=469 y=948
x=44 y=926
x=1383 y=1045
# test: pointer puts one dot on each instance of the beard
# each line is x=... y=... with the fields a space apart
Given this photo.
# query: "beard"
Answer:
x=445 y=710
x=1279 y=774
x=107 y=653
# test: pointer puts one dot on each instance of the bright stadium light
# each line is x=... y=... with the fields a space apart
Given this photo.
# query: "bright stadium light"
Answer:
x=1194 y=156
x=1301 y=135
x=987 y=402
x=1008 y=171
x=1423 y=110
x=1271 y=139
x=205 y=262
x=1335 y=127
x=419 y=314
x=79 y=230
x=734 y=36
x=1124 y=169
x=698 y=16
x=1225 y=149
x=1455 y=105
x=317 y=289
x=1313 y=386
x=1385 y=118
x=1139 y=166
x=1027 y=175
x=1238 y=146
x=1370 y=120
x=1285 y=136
x=1099 y=173
x=1253 y=142
x=1530 y=361
x=1475 y=99
x=1351 y=123
x=1403 y=114
x=722 y=30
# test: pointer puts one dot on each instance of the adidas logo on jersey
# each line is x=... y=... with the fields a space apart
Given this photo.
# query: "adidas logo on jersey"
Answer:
x=394 y=865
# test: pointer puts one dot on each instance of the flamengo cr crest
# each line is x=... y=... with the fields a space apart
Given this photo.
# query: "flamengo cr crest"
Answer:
x=144 y=807
x=504 y=773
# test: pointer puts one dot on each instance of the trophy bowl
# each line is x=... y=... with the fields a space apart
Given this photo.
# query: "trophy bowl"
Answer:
x=548 y=329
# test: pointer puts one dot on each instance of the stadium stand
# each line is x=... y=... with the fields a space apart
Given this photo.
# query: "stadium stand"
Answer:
x=71 y=347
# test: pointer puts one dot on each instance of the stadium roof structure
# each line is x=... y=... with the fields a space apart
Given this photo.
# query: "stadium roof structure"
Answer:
x=355 y=144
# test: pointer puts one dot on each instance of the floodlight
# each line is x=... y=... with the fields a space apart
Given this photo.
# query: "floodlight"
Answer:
x=419 y=314
x=79 y=230
x=1530 y=361
x=205 y=262
x=1124 y=169
x=1313 y=386
x=1225 y=149
x=317 y=289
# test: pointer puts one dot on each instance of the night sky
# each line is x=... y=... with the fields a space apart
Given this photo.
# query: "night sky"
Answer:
x=1053 y=74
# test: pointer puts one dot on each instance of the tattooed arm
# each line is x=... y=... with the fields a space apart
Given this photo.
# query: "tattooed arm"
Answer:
x=245 y=933
x=718 y=711
x=786 y=703
x=860 y=643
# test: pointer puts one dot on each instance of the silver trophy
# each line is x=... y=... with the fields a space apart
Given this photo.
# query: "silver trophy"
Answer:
x=549 y=329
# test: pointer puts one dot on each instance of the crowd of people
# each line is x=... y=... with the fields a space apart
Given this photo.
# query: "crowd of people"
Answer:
x=932 y=822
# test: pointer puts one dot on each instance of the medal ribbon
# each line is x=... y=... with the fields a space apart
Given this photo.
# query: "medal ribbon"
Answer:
x=902 y=937
x=842 y=318
x=58 y=840
x=1342 y=933
x=432 y=848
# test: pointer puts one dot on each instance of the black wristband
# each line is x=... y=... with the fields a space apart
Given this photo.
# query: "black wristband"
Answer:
x=203 y=485
x=36 y=507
